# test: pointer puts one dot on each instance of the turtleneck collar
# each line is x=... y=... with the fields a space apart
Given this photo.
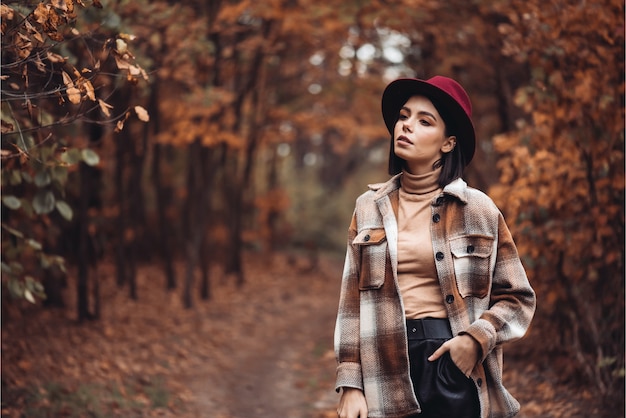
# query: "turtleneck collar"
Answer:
x=420 y=183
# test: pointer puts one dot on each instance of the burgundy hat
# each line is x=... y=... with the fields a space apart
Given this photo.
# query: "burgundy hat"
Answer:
x=449 y=98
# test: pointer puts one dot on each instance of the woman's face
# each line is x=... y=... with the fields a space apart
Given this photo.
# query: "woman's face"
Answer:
x=419 y=135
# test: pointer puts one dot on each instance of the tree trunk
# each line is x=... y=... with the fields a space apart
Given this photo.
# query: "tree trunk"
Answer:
x=165 y=233
x=82 y=285
x=192 y=213
x=209 y=169
x=120 y=248
x=233 y=194
x=205 y=263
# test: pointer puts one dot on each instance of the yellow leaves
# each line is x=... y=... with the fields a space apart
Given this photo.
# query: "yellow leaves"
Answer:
x=6 y=13
x=105 y=108
x=64 y=5
x=55 y=58
x=31 y=29
x=121 y=46
x=74 y=91
x=124 y=60
x=73 y=94
x=23 y=45
x=88 y=88
x=134 y=71
x=50 y=21
x=142 y=114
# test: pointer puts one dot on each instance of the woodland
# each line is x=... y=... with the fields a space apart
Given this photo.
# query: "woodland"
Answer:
x=178 y=178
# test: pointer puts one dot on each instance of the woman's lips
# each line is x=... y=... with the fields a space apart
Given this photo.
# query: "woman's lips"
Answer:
x=404 y=139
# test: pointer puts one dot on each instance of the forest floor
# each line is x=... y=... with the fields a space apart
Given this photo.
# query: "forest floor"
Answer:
x=263 y=350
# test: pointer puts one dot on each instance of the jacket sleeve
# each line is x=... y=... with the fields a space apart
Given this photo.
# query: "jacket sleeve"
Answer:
x=513 y=301
x=347 y=327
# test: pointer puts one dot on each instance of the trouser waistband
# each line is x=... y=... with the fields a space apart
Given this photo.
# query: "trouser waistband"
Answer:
x=428 y=329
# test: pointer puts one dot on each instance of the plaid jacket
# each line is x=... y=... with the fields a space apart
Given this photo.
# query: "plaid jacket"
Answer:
x=484 y=286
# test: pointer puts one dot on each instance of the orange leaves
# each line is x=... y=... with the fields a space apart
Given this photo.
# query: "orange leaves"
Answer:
x=134 y=71
x=75 y=91
x=585 y=90
x=64 y=5
x=232 y=12
x=142 y=114
x=73 y=94
x=205 y=114
x=562 y=172
x=105 y=108
x=50 y=20
x=125 y=60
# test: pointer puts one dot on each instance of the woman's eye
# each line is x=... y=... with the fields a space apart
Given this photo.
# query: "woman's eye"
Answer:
x=403 y=117
x=424 y=122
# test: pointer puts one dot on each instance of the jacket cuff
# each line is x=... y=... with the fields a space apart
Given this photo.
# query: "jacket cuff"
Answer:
x=349 y=375
x=485 y=334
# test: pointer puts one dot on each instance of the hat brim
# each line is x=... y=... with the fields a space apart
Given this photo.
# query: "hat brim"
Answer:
x=399 y=91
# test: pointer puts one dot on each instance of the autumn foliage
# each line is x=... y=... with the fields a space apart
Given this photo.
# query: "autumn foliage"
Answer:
x=562 y=175
x=153 y=131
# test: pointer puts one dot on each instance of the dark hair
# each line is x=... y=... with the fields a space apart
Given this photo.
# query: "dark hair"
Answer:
x=452 y=163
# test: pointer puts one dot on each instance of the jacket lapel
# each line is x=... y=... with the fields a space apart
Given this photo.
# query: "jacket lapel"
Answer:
x=387 y=202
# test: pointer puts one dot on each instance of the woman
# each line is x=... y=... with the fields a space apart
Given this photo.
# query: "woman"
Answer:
x=432 y=283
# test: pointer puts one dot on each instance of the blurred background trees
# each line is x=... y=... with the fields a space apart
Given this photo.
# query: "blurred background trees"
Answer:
x=155 y=132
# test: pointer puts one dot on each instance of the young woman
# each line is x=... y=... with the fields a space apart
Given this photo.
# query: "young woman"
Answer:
x=432 y=283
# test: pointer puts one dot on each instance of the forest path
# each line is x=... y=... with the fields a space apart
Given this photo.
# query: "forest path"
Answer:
x=279 y=360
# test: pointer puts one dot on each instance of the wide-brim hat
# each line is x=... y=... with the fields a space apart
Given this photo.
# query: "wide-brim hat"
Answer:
x=450 y=99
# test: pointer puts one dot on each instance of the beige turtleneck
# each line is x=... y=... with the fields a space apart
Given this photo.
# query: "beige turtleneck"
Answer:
x=417 y=274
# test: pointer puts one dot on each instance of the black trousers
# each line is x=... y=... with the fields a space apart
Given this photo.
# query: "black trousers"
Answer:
x=441 y=388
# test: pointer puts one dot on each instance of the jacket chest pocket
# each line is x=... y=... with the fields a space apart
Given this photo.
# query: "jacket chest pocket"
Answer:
x=372 y=244
x=472 y=264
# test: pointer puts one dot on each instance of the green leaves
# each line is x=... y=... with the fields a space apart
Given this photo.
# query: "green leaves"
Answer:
x=19 y=279
x=90 y=157
x=43 y=202
x=74 y=156
x=28 y=288
x=65 y=210
x=11 y=202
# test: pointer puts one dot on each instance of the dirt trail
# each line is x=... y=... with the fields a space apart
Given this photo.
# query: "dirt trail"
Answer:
x=279 y=358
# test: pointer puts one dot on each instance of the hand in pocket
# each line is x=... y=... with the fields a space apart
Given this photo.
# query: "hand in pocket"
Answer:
x=464 y=352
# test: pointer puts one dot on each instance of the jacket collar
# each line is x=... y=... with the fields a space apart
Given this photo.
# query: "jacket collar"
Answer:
x=456 y=188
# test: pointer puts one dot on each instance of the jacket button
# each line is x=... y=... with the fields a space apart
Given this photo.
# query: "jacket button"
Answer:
x=449 y=299
x=439 y=256
x=436 y=218
x=479 y=382
x=366 y=238
x=470 y=249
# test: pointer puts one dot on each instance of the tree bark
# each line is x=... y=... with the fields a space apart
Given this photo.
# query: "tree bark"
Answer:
x=82 y=285
x=165 y=232
x=120 y=250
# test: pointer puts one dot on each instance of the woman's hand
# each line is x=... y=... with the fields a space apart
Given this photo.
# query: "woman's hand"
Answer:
x=352 y=404
x=464 y=351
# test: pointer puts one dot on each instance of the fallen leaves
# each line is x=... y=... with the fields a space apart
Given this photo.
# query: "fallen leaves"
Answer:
x=166 y=361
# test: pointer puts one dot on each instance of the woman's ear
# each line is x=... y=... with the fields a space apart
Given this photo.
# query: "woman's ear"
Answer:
x=449 y=144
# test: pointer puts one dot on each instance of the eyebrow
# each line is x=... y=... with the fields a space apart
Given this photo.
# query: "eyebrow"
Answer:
x=421 y=112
